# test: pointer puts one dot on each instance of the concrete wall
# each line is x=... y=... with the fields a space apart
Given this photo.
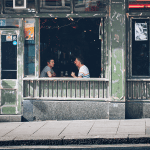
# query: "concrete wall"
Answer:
x=34 y=110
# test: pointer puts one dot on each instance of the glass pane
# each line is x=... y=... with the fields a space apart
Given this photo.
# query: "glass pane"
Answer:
x=54 y=5
x=24 y=8
x=29 y=51
x=9 y=56
x=140 y=47
x=90 y=5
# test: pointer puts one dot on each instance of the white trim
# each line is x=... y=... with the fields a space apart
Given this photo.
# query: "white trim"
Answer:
x=16 y=7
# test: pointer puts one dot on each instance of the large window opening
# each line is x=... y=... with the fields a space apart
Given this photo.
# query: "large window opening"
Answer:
x=65 y=38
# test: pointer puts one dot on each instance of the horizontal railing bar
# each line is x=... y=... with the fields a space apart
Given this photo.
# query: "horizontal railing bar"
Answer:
x=66 y=79
x=59 y=98
x=9 y=70
x=138 y=100
x=138 y=80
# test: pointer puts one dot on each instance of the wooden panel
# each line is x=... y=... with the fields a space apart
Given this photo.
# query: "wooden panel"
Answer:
x=87 y=89
x=130 y=90
x=31 y=88
x=26 y=88
x=139 y=90
x=54 y=88
x=148 y=90
x=78 y=89
x=82 y=89
x=91 y=89
x=50 y=88
x=60 y=88
x=96 y=89
x=37 y=89
x=101 y=90
x=105 y=89
x=73 y=89
x=134 y=90
x=64 y=89
x=68 y=88
x=41 y=89
x=45 y=88
x=143 y=90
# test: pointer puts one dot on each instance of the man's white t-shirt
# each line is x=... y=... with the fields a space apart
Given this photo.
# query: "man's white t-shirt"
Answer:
x=84 y=72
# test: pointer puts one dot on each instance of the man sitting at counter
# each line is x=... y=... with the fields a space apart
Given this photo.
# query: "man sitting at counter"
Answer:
x=48 y=71
x=83 y=70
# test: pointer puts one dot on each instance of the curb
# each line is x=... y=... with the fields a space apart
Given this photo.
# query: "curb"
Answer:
x=95 y=141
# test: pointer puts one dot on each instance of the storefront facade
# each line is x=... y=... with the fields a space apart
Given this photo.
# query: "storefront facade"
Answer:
x=110 y=93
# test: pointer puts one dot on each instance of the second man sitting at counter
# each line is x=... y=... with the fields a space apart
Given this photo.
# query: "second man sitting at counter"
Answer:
x=83 y=70
x=48 y=71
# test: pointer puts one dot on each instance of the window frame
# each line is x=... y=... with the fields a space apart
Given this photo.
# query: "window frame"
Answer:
x=129 y=52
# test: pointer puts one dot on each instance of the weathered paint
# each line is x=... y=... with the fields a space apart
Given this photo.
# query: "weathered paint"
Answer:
x=8 y=110
x=20 y=63
x=118 y=50
x=37 y=50
x=8 y=97
x=9 y=84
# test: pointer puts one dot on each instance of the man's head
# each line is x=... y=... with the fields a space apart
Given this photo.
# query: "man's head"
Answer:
x=50 y=62
x=78 y=61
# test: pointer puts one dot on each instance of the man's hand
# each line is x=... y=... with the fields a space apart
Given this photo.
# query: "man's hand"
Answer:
x=54 y=74
x=73 y=74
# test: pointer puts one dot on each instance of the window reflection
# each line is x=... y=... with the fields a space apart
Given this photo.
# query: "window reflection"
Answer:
x=54 y=5
x=90 y=5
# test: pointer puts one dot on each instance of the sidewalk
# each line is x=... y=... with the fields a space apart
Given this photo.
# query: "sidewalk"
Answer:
x=75 y=132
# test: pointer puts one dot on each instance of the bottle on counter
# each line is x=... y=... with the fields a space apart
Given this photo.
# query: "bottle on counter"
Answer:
x=66 y=73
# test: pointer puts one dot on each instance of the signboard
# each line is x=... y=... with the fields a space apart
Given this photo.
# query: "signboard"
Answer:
x=29 y=31
x=2 y=22
x=141 y=33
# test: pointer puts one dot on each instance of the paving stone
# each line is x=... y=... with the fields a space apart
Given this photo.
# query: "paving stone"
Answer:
x=132 y=123
x=131 y=129
x=48 y=132
x=98 y=131
x=75 y=131
x=27 y=128
x=106 y=124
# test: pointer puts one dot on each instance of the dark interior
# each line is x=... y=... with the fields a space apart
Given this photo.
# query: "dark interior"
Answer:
x=65 y=38
x=140 y=50
x=9 y=57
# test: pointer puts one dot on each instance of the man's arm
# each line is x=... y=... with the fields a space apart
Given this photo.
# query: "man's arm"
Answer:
x=49 y=74
x=73 y=75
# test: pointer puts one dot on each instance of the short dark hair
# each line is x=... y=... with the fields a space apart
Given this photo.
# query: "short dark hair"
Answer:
x=48 y=60
x=80 y=59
